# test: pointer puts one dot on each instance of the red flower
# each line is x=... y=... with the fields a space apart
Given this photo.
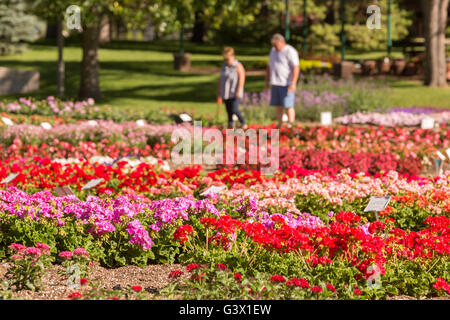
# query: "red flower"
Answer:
x=316 y=289
x=221 y=266
x=441 y=284
x=192 y=266
x=330 y=287
x=182 y=232
x=75 y=295
x=302 y=283
x=136 y=288
x=277 y=278
x=237 y=277
x=84 y=281
x=357 y=292
x=175 y=274
x=113 y=298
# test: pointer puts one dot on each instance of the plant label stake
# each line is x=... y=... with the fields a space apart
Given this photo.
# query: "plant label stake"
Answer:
x=10 y=178
x=46 y=125
x=7 y=121
x=64 y=191
x=92 y=184
x=377 y=204
x=325 y=118
x=185 y=117
x=141 y=122
x=438 y=164
x=427 y=123
x=213 y=189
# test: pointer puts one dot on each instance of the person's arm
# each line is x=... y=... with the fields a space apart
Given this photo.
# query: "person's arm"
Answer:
x=295 y=74
x=241 y=79
x=295 y=65
x=218 y=97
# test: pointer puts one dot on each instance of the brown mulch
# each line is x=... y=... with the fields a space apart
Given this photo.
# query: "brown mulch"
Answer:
x=151 y=278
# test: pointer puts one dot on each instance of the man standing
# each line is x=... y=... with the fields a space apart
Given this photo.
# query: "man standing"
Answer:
x=282 y=74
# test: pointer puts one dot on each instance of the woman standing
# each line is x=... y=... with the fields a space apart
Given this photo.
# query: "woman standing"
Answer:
x=230 y=88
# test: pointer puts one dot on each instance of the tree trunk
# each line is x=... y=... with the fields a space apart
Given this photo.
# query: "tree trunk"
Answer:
x=61 y=66
x=89 y=85
x=435 y=13
x=199 y=31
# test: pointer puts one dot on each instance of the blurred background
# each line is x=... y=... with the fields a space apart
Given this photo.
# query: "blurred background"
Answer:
x=157 y=57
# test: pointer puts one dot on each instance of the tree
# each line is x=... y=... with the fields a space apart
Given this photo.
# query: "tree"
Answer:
x=92 y=13
x=53 y=12
x=435 y=13
x=16 y=26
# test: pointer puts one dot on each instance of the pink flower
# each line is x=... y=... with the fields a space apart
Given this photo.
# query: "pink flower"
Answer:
x=32 y=251
x=17 y=246
x=81 y=252
x=66 y=254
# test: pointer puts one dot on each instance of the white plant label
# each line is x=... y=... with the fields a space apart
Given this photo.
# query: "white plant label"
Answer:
x=92 y=122
x=7 y=121
x=92 y=184
x=10 y=178
x=448 y=152
x=325 y=118
x=141 y=122
x=213 y=189
x=285 y=118
x=46 y=125
x=377 y=203
x=185 y=117
x=427 y=123
x=440 y=155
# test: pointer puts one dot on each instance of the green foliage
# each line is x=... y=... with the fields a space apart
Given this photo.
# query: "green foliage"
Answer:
x=362 y=38
x=16 y=27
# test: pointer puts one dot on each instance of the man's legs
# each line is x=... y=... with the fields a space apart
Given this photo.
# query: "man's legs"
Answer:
x=291 y=115
x=280 y=116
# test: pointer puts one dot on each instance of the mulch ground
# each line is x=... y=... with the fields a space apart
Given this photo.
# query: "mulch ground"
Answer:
x=152 y=278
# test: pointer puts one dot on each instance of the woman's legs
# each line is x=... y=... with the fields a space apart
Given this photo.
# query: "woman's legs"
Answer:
x=235 y=105
x=229 y=107
x=232 y=106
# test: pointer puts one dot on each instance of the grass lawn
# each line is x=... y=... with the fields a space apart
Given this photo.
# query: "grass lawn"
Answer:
x=140 y=75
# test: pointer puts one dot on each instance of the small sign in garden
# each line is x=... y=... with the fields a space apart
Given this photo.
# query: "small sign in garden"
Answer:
x=63 y=191
x=213 y=189
x=10 y=178
x=377 y=204
x=92 y=184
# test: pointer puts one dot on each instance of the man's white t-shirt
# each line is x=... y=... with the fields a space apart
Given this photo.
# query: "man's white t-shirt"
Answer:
x=281 y=65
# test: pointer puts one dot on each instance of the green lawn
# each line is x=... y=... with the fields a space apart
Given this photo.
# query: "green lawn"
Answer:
x=140 y=75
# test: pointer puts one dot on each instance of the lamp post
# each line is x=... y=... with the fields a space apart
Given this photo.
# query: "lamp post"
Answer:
x=342 y=30
x=305 y=28
x=389 y=31
x=287 y=34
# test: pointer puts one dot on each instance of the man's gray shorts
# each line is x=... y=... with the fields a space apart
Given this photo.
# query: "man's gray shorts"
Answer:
x=279 y=96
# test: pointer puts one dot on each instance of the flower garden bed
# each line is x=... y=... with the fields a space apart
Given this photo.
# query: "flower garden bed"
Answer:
x=300 y=233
